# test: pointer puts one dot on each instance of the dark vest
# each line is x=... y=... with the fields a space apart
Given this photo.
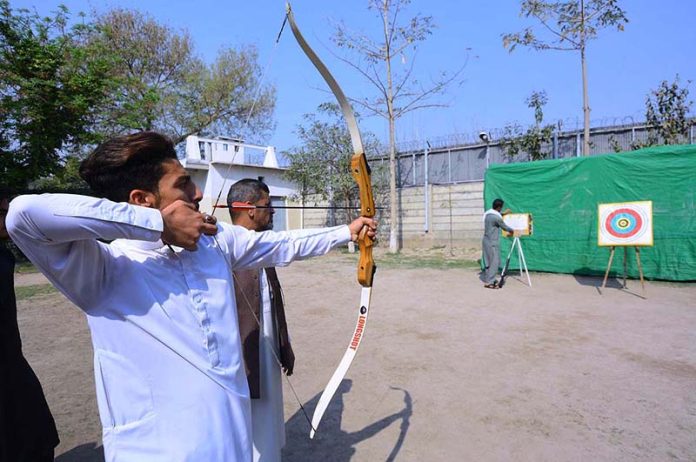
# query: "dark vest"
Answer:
x=248 y=294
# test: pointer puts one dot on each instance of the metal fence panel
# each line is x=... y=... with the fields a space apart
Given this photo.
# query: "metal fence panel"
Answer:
x=459 y=163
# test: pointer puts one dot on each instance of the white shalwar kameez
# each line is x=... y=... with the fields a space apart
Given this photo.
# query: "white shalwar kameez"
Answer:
x=267 y=418
x=171 y=385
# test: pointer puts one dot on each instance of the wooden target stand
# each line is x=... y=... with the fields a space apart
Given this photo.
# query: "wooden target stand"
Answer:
x=625 y=224
x=625 y=267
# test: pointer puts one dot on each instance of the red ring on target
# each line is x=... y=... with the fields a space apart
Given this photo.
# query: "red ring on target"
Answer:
x=636 y=229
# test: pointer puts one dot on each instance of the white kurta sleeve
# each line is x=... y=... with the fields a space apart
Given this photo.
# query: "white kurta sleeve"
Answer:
x=59 y=232
x=250 y=249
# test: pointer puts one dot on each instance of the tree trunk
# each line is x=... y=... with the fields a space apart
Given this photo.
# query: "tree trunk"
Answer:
x=393 y=204
x=585 y=107
x=585 y=97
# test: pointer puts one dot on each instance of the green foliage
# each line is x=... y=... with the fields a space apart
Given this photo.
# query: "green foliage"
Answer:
x=164 y=86
x=566 y=25
x=614 y=144
x=666 y=110
x=65 y=87
x=66 y=179
x=51 y=81
x=536 y=139
x=322 y=164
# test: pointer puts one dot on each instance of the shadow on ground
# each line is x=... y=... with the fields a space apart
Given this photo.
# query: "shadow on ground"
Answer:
x=89 y=452
x=332 y=443
x=614 y=281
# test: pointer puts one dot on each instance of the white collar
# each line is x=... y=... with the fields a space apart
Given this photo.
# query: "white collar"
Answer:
x=492 y=212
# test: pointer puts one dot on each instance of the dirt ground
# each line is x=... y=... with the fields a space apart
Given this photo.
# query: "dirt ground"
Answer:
x=448 y=370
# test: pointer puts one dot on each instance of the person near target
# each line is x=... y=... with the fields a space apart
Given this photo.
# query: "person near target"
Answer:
x=492 y=224
x=158 y=298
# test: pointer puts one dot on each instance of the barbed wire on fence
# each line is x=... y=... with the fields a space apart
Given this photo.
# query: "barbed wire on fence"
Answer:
x=462 y=157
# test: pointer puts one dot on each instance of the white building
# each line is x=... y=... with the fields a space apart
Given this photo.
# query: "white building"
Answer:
x=217 y=163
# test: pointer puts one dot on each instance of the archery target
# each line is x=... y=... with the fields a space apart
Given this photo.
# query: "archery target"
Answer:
x=628 y=223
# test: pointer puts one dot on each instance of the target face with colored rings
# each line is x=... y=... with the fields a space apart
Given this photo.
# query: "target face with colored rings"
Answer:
x=624 y=223
x=628 y=223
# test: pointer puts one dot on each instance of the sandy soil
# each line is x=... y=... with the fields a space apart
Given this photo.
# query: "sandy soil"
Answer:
x=448 y=370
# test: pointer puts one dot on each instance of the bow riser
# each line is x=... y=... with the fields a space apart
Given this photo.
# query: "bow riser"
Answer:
x=361 y=174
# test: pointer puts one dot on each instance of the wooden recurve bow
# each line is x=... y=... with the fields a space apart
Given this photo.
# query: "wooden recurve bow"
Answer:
x=366 y=266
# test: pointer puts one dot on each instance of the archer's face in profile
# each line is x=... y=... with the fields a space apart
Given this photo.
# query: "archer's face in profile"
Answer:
x=174 y=184
x=263 y=217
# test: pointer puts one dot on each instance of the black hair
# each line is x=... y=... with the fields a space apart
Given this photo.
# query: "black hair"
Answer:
x=246 y=190
x=122 y=164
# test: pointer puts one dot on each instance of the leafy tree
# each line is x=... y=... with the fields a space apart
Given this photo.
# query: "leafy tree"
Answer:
x=615 y=145
x=666 y=110
x=536 y=139
x=164 y=86
x=397 y=91
x=321 y=166
x=67 y=178
x=51 y=81
x=568 y=26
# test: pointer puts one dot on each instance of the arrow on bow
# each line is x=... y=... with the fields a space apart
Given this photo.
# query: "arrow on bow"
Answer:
x=248 y=206
x=366 y=266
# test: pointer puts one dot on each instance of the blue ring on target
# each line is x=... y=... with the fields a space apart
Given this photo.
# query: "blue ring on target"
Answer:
x=623 y=223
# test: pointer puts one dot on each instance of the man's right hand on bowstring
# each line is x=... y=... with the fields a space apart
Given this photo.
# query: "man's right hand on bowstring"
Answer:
x=184 y=224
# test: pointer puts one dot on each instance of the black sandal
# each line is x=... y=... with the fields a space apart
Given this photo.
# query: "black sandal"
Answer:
x=491 y=286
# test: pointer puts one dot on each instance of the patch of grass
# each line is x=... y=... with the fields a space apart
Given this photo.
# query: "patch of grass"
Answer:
x=25 y=267
x=413 y=261
x=427 y=259
x=24 y=292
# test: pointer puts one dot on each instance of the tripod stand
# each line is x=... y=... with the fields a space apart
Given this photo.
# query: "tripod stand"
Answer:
x=516 y=244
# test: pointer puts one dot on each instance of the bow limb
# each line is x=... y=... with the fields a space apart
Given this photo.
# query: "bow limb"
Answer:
x=366 y=267
x=359 y=167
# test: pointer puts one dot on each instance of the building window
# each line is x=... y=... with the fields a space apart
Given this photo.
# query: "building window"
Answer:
x=201 y=148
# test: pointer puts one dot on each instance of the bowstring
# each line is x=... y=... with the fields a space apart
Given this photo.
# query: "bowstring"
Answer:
x=216 y=206
x=247 y=120
x=273 y=351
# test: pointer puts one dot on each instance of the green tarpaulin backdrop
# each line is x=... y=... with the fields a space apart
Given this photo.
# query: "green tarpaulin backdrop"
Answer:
x=562 y=196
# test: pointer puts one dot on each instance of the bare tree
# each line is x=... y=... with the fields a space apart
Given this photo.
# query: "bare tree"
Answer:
x=568 y=26
x=320 y=164
x=398 y=92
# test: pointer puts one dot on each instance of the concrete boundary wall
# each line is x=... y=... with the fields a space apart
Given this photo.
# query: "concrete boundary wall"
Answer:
x=447 y=215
